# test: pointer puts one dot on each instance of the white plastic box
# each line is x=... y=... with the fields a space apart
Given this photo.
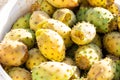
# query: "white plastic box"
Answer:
x=9 y=14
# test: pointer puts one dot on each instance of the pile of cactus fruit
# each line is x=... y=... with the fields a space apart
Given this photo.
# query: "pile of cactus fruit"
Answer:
x=64 y=40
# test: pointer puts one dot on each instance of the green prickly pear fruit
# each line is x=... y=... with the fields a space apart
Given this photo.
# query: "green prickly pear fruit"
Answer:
x=64 y=3
x=87 y=55
x=13 y=53
x=102 y=70
x=46 y=7
x=80 y=15
x=35 y=58
x=97 y=40
x=83 y=33
x=111 y=43
x=100 y=3
x=53 y=71
x=100 y=17
x=36 y=18
x=50 y=44
x=26 y=36
x=62 y=29
x=22 y=22
x=65 y=15
x=18 y=73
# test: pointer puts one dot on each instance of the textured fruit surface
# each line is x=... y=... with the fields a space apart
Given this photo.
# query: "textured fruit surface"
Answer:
x=87 y=55
x=35 y=58
x=111 y=42
x=50 y=44
x=26 y=36
x=17 y=73
x=83 y=33
x=53 y=71
x=13 y=53
x=59 y=27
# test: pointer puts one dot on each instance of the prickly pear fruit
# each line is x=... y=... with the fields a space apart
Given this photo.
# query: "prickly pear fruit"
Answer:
x=26 y=36
x=100 y=17
x=50 y=44
x=18 y=73
x=46 y=7
x=102 y=70
x=13 y=53
x=87 y=55
x=100 y=3
x=37 y=17
x=65 y=15
x=63 y=30
x=111 y=43
x=53 y=71
x=64 y=3
x=35 y=58
x=22 y=22
x=83 y=33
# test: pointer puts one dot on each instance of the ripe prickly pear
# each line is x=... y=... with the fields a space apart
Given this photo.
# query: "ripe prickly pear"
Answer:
x=53 y=71
x=13 y=53
x=22 y=22
x=36 y=18
x=87 y=55
x=83 y=33
x=50 y=44
x=18 y=73
x=26 y=36
x=35 y=58
x=65 y=15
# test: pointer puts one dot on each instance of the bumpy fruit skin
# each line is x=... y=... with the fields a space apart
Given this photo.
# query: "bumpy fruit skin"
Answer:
x=87 y=55
x=64 y=3
x=80 y=15
x=46 y=7
x=36 y=18
x=35 y=58
x=100 y=3
x=22 y=22
x=111 y=43
x=53 y=71
x=100 y=17
x=66 y=16
x=83 y=33
x=50 y=44
x=26 y=36
x=13 y=53
x=62 y=29
x=102 y=70
x=18 y=73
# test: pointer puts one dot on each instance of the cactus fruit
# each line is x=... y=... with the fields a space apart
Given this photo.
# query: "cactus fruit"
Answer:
x=46 y=7
x=66 y=16
x=111 y=42
x=64 y=3
x=81 y=13
x=35 y=58
x=13 y=53
x=53 y=71
x=87 y=55
x=50 y=44
x=102 y=70
x=26 y=36
x=83 y=33
x=97 y=40
x=22 y=22
x=100 y=17
x=100 y=3
x=36 y=18
x=18 y=73
x=63 y=30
